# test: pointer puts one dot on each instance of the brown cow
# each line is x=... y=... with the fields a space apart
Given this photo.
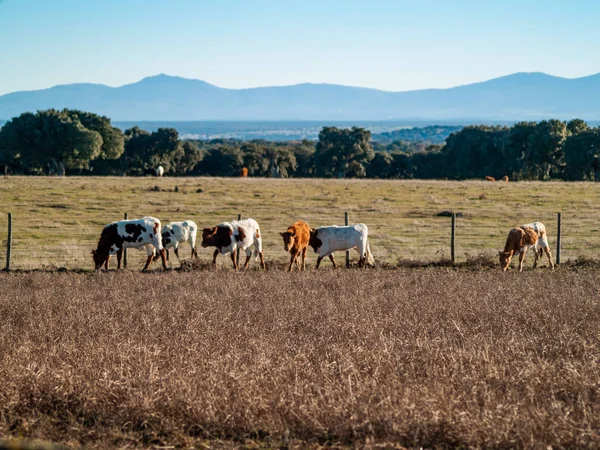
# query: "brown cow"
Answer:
x=490 y=179
x=522 y=238
x=505 y=179
x=295 y=241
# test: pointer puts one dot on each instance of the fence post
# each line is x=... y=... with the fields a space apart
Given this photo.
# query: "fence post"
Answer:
x=452 y=237
x=347 y=222
x=124 y=250
x=237 y=252
x=558 y=239
x=8 y=242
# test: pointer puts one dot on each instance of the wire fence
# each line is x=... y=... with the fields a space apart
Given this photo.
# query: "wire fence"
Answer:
x=420 y=236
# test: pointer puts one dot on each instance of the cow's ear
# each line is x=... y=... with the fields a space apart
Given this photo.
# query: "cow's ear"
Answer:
x=500 y=252
x=293 y=232
x=282 y=234
x=93 y=252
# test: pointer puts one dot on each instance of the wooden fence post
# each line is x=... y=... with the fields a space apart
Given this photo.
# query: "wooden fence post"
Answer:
x=8 y=242
x=237 y=253
x=558 y=239
x=347 y=222
x=124 y=250
x=452 y=237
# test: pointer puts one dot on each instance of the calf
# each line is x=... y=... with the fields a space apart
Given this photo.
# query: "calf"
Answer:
x=326 y=240
x=136 y=233
x=520 y=239
x=295 y=241
x=227 y=237
x=176 y=233
x=490 y=178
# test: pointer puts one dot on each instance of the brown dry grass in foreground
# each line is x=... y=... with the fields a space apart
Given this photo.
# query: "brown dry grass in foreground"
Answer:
x=419 y=358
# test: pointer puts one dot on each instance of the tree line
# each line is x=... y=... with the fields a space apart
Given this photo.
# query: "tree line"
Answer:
x=81 y=143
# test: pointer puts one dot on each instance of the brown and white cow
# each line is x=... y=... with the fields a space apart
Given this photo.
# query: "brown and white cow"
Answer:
x=227 y=237
x=490 y=178
x=136 y=233
x=326 y=240
x=520 y=239
x=505 y=179
x=295 y=241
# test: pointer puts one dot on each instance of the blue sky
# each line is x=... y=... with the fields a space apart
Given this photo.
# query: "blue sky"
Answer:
x=386 y=44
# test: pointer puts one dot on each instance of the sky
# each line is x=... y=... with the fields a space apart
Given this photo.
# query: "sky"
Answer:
x=394 y=45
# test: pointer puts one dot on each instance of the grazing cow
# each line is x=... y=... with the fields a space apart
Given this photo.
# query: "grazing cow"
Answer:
x=160 y=171
x=176 y=233
x=490 y=179
x=520 y=239
x=326 y=240
x=124 y=234
x=295 y=241
x=227 y=237
x=505 y=179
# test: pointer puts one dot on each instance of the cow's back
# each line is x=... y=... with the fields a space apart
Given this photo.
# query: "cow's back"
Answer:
x=334 y=238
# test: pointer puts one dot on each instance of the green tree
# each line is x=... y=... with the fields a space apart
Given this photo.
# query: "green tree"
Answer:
x=145 y=151
x=338 y=148
x=543 y=157
x=576 y=126
x=50 y=141
x=582 y=155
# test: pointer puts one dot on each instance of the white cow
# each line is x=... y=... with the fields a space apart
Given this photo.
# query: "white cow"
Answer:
x=136 y=233
x=326 y=240
x=176 y=233
x=227 y=237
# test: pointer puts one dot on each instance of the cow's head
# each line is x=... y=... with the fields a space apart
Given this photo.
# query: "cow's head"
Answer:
x=209 y=236
x=99 y=258
x=289 y=237
x=314 y=240
x=505 y=258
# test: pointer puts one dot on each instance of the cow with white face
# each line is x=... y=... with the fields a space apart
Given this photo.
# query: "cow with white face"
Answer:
x=176 y=233
x=227 y=237
x=326 y=240
x=137 y=233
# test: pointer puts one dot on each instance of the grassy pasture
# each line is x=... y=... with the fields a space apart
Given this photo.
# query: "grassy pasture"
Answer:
x=57 y=221
x=429 y=358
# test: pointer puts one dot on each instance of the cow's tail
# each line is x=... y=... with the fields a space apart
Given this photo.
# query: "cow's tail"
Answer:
x=369 y=255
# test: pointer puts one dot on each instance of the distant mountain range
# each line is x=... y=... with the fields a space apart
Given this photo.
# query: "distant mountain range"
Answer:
x=521 y=96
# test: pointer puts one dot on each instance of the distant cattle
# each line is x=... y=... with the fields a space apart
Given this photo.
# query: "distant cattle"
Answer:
x=160 y=171
x=295 y=241
x=176 y=233
x=227 y=237
x=490 y=179
x=326 y=240
x=137 y=233
x=520 y=239
x=505 y=179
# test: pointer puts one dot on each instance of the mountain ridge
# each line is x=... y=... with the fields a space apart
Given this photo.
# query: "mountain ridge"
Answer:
x=517 y=96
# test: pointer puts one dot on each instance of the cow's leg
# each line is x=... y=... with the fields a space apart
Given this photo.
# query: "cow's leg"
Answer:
x=547 y=251
x=215 y=257
x=163 y=257
x=293 y=258
x=262 y=260
x=176 y=251
x=167 y=251
x=148 y=261
x=304 y=258
x=297 y=259
x=194 y=253
x=234 y=260
x=106 y=262
x=333 y=261
x=521 y=258
x=537 y=255
x=119 y=256
x=247 y=262
x=318 y=262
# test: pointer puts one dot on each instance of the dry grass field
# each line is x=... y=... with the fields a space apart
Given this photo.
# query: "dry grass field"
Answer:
x=212 y=359
x=57 y=221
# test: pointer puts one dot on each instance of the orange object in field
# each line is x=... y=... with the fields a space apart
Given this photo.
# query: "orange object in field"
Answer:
x=245 y=172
